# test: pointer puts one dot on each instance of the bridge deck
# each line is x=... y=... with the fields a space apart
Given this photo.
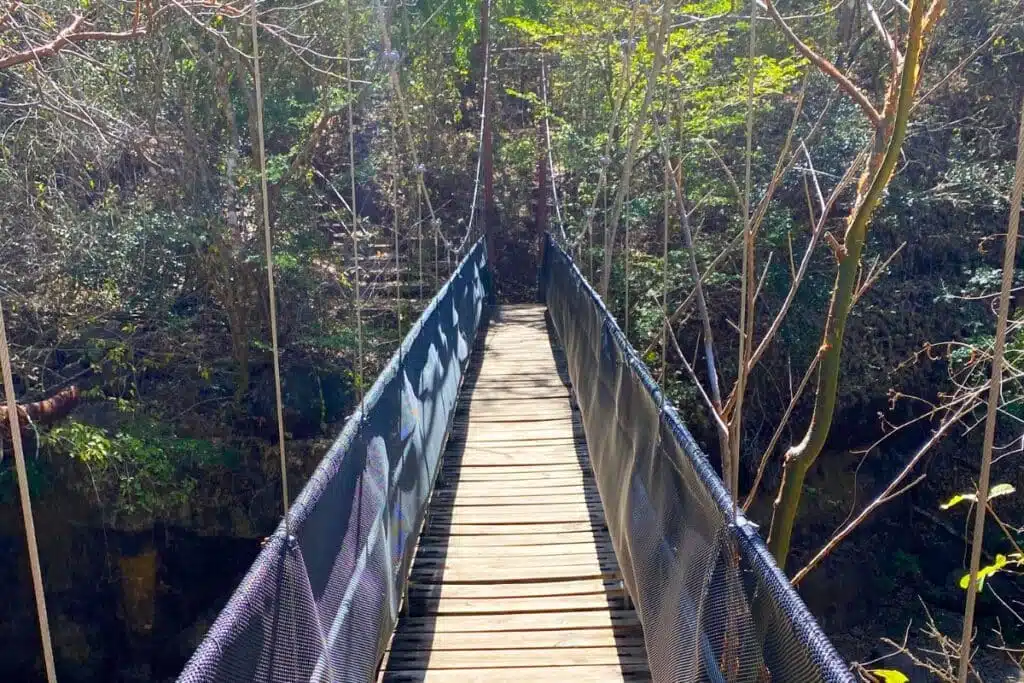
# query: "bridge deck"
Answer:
x=515 y=577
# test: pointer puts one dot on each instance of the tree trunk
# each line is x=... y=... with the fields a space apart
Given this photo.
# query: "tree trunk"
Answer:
x=875 y=178
x=47 y=411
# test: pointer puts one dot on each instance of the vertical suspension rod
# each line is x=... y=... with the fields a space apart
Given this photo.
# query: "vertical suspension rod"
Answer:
x=257 y=77
x=26 y=503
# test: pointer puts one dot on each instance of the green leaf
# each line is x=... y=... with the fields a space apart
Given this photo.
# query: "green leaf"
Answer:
x=959 y=498
x=889 y=675
x=985 y=572
x=1001 y=490
x=533 y=29
x=996 y=491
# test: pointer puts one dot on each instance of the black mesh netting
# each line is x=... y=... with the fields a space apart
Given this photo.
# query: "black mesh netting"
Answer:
x=713 y=604
x=321 y=605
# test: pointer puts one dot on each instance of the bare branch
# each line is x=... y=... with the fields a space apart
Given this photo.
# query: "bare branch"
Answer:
x=73 y=33
x=657 y=47
x=894 y=53
x=816 y=233
x=814 y=177
x=886 y=495
x=721 y=426
x=709 y=341
x=728 y=174
x=827 y=67
x=778 y=433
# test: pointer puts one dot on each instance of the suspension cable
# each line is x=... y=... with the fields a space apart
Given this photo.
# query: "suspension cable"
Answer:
x=419 y=234
x=627 y=45
x=551 y=157
x=664 y=286
x=627 y=215
x=437 y=260
x=357 y=303
x=393 y=59
x=483 y=122
x=26 y=503
x=257 y=77
x=394 y=226
x=746 y=280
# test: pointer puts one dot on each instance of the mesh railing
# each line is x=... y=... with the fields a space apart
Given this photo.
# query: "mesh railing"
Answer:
x=713 y=604
x=321 y=604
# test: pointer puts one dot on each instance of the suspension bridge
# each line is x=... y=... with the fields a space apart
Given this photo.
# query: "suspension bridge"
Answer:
x=515 y=500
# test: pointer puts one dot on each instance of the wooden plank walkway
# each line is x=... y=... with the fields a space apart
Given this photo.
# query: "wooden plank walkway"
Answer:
x=515 y=577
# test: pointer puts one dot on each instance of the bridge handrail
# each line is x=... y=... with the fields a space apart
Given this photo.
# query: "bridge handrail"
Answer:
x=713 y=603
x=321 y=605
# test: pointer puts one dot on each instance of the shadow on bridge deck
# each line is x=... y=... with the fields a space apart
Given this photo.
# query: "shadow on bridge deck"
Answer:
x=515 y=578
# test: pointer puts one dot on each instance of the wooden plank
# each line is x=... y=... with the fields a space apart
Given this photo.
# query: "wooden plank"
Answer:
x=572 y=481
x=542 y=603
x=452 y=470
x=450 y=499
x=523 y=640
x=549 y=473
x=512 y=514
x=512 y=473
x=494 y=438
x=515 y=576
x=510 y=405
x=486 y=490
x=460 y=528
x=556 y=657
x=516 y=476
x=513 y=539
x=515 y=590
x=519 y=454
x=514 y=460
x=507 y=415
x=577 y=674
x=588 y=548
x=560 y=426
x=541 y=563
x=501 y=512
x=555 y=445
x=505 y=573
x=546 y=452
x=499 y=394
x=499 y=490
x=547 y=621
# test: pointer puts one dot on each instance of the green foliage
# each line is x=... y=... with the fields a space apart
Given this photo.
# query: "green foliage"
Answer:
x=145 y=469
x=1001 y=563
x=40 y=480
x=996 y=491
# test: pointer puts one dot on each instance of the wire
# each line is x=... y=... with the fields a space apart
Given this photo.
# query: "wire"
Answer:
x=355 y=215
x=257 y=77
x=483 y=123
x=398 y=253
x=419 y=235
x=746 y=282
x=551 y=157
x=625 y=261
x=664 y=287
x=393 y=59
